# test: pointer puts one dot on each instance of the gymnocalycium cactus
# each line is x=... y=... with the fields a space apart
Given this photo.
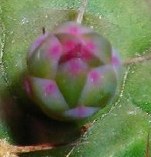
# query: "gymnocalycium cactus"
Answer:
x=72 y=72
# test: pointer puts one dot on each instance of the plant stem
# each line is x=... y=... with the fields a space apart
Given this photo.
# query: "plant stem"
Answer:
x=81 y=11
x=13 y=151
x=136 y=60
x=148 y=146
x=27 y=149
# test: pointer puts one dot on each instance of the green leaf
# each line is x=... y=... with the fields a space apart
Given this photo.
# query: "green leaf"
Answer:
x=122 y=128
x=137 y=86
x=122 y=132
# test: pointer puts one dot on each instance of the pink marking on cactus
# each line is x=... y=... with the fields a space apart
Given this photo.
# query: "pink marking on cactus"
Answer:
x=69 y=45
x=82 y=52
x=73 y=29
x=50 y=89
x=90 y=46
x=94 y=48
x=94 y=77
x=75 y=67
x=79 y=51
x=55 y=51
x=86 y=55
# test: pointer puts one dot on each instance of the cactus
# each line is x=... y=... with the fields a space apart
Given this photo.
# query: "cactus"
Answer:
x=72 y=72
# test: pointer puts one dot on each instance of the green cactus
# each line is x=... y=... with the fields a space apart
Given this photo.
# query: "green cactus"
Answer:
x=72 y=72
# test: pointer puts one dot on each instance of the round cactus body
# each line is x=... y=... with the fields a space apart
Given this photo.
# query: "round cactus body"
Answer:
x=72 y=72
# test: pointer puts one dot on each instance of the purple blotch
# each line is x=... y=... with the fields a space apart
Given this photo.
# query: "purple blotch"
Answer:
x=69 y=45
x=77 y=66
x=27 y=86
x=81 y=112
x=94 y=77
x=55 y=51
x=50 y=89
x=90 y=46
x=73 y=29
